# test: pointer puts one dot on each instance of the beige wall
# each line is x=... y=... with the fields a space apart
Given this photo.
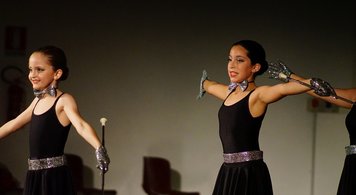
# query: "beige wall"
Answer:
x=139 y=66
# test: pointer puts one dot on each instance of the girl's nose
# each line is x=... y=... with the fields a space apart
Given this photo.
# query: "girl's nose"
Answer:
x=231 y=65
x=32 y=74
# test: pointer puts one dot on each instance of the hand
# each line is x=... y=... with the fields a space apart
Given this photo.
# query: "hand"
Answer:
x=102 y=159
x=201 y=89
x=322 y=88
x=278 y=70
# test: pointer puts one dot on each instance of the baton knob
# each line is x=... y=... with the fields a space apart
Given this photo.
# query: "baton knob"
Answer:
x=103 y=121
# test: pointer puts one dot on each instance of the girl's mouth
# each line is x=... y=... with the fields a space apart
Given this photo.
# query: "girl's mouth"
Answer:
x=232 y=74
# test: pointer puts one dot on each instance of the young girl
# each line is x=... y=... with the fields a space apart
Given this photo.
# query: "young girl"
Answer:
x=240 y=118
x=51 y=114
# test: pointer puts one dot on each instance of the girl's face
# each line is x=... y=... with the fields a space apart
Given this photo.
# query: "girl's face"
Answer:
x=41 y=72
x=239 y=67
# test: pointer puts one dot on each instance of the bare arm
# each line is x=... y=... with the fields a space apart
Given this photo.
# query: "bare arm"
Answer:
x=68 y=109
x=83 y=128
x=18 y=122
x=216 y=89
x=270 y=94
x=321 y=89
x=349 y=94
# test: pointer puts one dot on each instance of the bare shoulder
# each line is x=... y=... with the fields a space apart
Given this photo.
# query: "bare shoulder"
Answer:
x=31 y=106
x=261 y=90
x=255 y=95
x=266 y=94
x=66 y=99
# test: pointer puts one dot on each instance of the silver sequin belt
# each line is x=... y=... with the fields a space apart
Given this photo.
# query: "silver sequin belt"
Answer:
x=46 y=163
x=350 y=149
x=243 y=156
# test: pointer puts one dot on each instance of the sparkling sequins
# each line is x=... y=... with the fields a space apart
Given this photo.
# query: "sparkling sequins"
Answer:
x=46 y=163
x=243 y=156
x=350 y=149
x=51 y=90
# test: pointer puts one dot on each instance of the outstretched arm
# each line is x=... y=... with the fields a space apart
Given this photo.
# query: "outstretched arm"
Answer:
x=270 y=94
x=212 y=87
x=343 y=98
x=279 y=71
x=322 y=89
x=216 y=89
x=85 y=130
x=18 y=122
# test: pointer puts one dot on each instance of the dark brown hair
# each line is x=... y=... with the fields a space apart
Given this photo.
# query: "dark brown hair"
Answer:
x=256 y=53
x=56 y=58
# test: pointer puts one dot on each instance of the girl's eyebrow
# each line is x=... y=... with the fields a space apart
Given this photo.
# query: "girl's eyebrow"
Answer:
x=239 y=56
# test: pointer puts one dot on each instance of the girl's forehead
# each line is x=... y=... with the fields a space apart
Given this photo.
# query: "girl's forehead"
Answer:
x=38 y=59
x=238 y=50
x=38 y=55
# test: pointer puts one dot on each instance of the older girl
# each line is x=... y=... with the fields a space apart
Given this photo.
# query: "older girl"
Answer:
x=240 y=118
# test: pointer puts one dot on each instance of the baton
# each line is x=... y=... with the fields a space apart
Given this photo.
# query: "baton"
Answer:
x=103 y=121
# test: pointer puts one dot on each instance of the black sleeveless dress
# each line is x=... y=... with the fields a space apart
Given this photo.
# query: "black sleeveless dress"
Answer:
x=239 y=132
x=347 y=185
x=47 y=139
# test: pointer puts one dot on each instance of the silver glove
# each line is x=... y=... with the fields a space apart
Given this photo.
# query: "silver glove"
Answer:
x=278 y=70
x=102 y=159
x=201 y=89
x=322 y=88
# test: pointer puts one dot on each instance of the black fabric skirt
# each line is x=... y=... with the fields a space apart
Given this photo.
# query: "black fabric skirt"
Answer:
x=347 y=185
x=52 y=181
x=246 y=178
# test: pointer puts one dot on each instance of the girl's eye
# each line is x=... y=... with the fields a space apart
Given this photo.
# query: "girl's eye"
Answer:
x=39 y=69
x=36 y=69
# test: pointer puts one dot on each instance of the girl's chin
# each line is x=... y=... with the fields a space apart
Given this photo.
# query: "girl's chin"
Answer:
x=36 y=88
x=235 y=81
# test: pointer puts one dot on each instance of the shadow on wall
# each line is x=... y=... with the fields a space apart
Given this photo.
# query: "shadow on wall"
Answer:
x=83 y=173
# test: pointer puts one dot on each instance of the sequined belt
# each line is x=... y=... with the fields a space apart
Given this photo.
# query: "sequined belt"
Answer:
x=350 y=149
x=243 y=156
x=46 y=163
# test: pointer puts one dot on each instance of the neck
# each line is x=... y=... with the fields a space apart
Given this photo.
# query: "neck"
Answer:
x=50 y=90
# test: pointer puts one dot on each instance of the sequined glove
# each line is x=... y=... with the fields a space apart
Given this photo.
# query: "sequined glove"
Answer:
x=322 y=88
x=278 y=70
x=102 y=159
x=201 y=89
